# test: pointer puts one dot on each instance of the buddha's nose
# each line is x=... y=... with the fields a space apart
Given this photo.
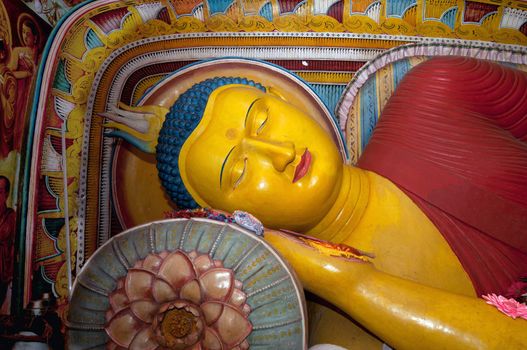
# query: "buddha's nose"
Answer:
x=280 y=153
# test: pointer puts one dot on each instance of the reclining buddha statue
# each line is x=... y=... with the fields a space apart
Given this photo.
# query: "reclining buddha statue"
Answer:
x=438 y=199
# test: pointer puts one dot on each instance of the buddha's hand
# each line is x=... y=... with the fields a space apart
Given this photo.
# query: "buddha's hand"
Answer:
x=138 y=125
x=321 y=265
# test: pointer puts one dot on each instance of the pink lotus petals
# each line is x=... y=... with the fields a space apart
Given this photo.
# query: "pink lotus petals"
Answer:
x=180 y=301
x=509 y=307
x=232 y=326
x=217 y=283
x=138 y=284
x=177 y=269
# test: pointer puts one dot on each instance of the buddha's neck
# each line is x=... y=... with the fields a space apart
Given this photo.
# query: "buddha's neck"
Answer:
x=347 y=210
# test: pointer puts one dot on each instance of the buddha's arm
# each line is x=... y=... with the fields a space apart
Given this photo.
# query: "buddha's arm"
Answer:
x=403 y=313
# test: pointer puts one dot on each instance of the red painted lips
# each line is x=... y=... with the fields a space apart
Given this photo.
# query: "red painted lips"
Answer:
x=303 y=166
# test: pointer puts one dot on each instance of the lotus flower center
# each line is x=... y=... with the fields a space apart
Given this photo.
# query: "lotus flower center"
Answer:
x=178 y=323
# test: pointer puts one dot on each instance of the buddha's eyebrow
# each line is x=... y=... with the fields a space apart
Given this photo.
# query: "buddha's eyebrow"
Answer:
x=249 y=110
x=225 y=162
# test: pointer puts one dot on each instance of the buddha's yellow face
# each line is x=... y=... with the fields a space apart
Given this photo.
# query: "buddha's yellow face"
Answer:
x=253 y=151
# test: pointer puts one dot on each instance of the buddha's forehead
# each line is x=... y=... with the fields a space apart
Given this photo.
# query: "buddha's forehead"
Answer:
x=228 y=106
x=225 y=115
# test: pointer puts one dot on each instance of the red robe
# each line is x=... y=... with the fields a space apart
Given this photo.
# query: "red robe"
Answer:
x=8 y=120
x=453 y=137
x=7 y=243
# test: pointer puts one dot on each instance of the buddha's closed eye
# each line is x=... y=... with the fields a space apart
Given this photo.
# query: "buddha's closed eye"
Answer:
x=258 y=121
x=238 y=172
x=260 y=128
x=257 y=117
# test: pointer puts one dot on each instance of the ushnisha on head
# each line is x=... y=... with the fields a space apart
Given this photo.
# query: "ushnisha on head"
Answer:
x=229 y=143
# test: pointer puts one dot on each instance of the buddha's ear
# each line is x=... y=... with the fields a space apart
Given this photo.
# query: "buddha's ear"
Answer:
x=275 y=92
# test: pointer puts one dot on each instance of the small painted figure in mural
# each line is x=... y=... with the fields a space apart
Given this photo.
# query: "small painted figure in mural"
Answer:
x=7 y=238
x=50 y=10
x=23 y=59
x=21 y=37
x=7 y=102
x=23 y=64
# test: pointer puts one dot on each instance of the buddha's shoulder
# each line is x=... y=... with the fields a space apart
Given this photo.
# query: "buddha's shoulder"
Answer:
x=386 y=196
x=390 y=211
x=404 y=241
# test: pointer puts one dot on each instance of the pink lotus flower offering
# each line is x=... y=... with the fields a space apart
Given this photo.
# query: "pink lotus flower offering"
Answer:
x=509 y=307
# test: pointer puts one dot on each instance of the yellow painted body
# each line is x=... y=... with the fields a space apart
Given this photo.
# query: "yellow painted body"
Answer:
x=392 y=228
x=406 y=314
x=412 y=293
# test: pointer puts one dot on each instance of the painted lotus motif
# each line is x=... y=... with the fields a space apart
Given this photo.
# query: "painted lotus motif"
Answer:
x=178 y=300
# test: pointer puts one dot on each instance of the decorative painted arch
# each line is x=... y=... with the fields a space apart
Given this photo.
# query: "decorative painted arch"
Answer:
x=112 y=50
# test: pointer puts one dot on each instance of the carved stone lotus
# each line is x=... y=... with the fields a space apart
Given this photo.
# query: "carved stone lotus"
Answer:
x=186 y=284
x=179 y=301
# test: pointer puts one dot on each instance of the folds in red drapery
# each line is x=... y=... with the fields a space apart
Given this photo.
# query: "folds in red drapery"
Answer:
x=454 y=138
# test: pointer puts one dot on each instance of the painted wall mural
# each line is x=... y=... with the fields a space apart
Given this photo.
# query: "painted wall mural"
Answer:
x=22 y=38
x=51 y=10
x=490 y=20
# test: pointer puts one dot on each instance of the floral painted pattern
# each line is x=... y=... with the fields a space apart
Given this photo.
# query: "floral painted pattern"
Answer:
x=178 y=300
